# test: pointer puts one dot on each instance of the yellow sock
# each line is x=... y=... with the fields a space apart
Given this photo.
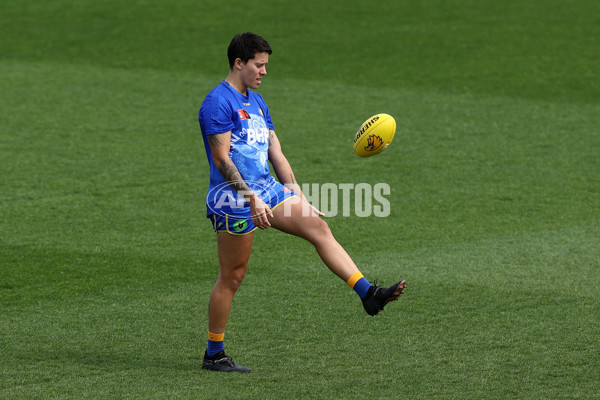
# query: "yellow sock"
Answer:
x=360 y=284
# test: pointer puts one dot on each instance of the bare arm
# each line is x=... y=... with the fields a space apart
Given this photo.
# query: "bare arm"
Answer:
x=220 y=145
x=283 y=169
x=281 y=165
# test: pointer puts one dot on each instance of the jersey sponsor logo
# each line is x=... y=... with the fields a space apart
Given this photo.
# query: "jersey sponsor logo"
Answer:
x=257 y=131
x=244 y=114
x=257 y=136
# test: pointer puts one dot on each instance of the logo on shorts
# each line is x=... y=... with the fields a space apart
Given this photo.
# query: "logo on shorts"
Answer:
x=223 y=200
x=239 y=225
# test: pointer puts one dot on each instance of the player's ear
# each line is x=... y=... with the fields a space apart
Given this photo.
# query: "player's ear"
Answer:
x=238 y=63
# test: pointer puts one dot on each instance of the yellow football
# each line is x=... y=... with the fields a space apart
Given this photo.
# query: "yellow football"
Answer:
x=374 y=135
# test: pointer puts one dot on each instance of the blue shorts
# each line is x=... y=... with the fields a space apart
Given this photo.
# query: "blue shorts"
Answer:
x=242 y=224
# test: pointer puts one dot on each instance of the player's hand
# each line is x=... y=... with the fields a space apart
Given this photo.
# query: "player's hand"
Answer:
x=313 y=209
x=316 y=211
x=260 y=213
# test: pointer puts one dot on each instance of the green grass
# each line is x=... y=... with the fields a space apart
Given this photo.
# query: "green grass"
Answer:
x=106 y=259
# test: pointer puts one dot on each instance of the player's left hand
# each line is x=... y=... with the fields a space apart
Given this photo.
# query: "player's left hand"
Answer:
x=315 y=210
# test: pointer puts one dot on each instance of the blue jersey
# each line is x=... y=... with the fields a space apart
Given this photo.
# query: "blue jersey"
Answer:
x=247 y=117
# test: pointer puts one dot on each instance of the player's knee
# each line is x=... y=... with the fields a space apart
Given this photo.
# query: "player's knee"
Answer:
x=233 y=279
x=319 y=231
x=234 y=283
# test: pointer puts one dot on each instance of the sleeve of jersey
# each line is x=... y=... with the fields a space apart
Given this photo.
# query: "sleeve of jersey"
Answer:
x=265 y=110
x=218 y=116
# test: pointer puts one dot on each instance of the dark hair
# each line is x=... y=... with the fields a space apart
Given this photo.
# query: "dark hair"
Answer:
x=245 y=45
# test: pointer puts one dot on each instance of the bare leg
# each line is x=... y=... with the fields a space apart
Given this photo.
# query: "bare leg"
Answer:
x=288 y=218
x=234 y=253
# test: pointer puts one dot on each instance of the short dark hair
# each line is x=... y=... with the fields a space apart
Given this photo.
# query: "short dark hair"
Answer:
x=245 y=45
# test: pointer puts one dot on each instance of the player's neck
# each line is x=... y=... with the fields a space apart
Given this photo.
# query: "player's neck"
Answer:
x=237 y=84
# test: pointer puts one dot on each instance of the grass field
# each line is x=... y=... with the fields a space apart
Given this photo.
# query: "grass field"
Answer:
x=107 y=260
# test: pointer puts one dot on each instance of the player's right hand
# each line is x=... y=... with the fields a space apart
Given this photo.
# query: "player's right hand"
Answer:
x=260 y=212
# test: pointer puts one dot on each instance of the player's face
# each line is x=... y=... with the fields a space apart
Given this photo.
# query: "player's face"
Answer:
x=254 y=70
